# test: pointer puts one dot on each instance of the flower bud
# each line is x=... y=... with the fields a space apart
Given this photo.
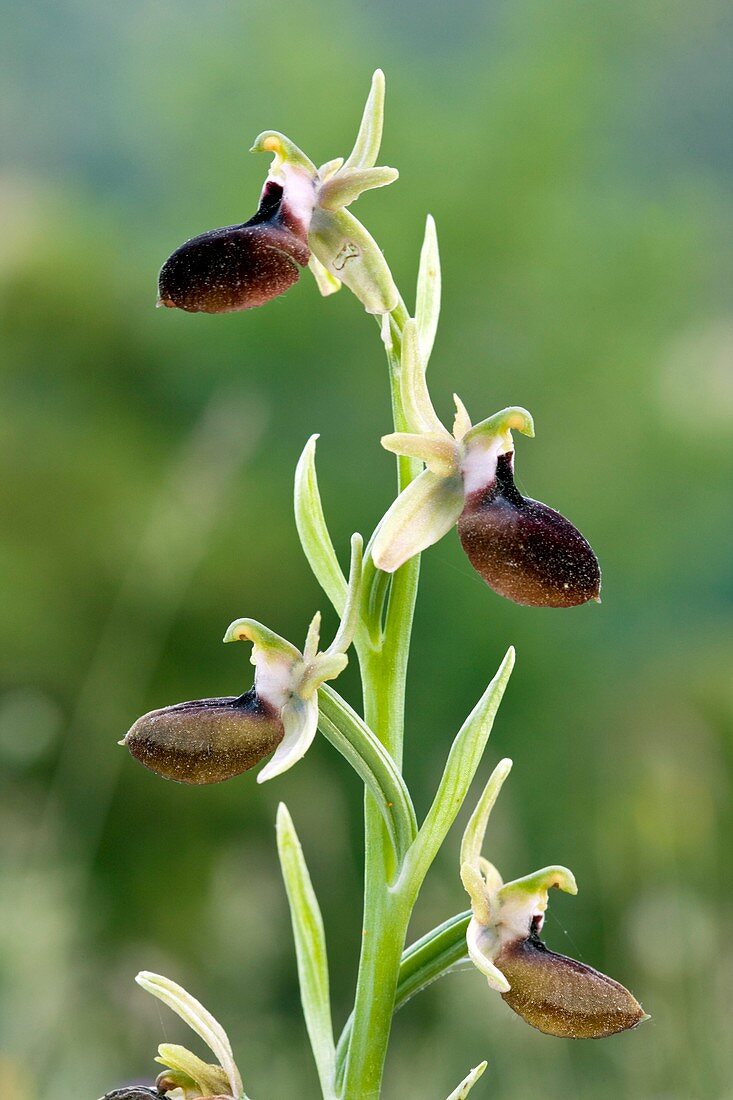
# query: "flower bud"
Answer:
x=562 y=997
x=207 y=740
x=524 y=550
x=240 y=266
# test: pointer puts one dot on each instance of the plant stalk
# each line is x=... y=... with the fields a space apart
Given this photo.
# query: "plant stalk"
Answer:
x=386 y=911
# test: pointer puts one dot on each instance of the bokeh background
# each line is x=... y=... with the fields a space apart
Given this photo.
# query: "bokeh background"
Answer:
x=577 y=158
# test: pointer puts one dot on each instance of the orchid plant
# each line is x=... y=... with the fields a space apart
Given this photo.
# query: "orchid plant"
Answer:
x=524 y=550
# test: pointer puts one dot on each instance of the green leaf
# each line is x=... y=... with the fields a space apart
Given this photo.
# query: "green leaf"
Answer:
x=310 y=948
x=312 y=529
x=468 y=1082
x=435 y=954
x=461 y=766
x=199 y=1019
x=348 y=733
x=427 y=304
x=366 y=148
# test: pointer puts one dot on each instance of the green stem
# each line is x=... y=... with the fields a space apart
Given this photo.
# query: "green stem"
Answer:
x=386 y=912
x=429 y=958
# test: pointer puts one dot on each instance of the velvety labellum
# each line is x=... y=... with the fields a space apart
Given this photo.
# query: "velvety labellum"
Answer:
x=133 y=1092
x=207 y=740
x=239 y=266
x=562 y=997
x=525 y=550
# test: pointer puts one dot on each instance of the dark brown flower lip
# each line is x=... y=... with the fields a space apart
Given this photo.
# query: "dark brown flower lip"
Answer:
x=237 y=267
x=563 y=997
x=249 y=701
x=525 y=550
x=205 y=741
x=133 y=1092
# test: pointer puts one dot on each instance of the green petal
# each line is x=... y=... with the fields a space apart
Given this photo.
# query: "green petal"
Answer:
x=436 y=451
x=348 y=184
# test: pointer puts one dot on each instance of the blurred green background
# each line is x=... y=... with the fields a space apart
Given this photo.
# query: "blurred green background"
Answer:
x=577 y=157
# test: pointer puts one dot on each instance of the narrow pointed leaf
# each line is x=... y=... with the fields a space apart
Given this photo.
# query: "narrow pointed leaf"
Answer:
x=351 y=254
x=468 y=1082
x=424 y=512
x=427 y=304
x=312 y=529
x=366 y=148
x=199 y=1019
x=350 y=735
x=310 y=948
x=460 y=769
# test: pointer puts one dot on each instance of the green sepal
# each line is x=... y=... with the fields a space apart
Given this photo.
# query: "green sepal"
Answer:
x=427 y=302
x=418 y=406
x=369 y=138
x=475 y=831
x=350 y=253
x=420 y=516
